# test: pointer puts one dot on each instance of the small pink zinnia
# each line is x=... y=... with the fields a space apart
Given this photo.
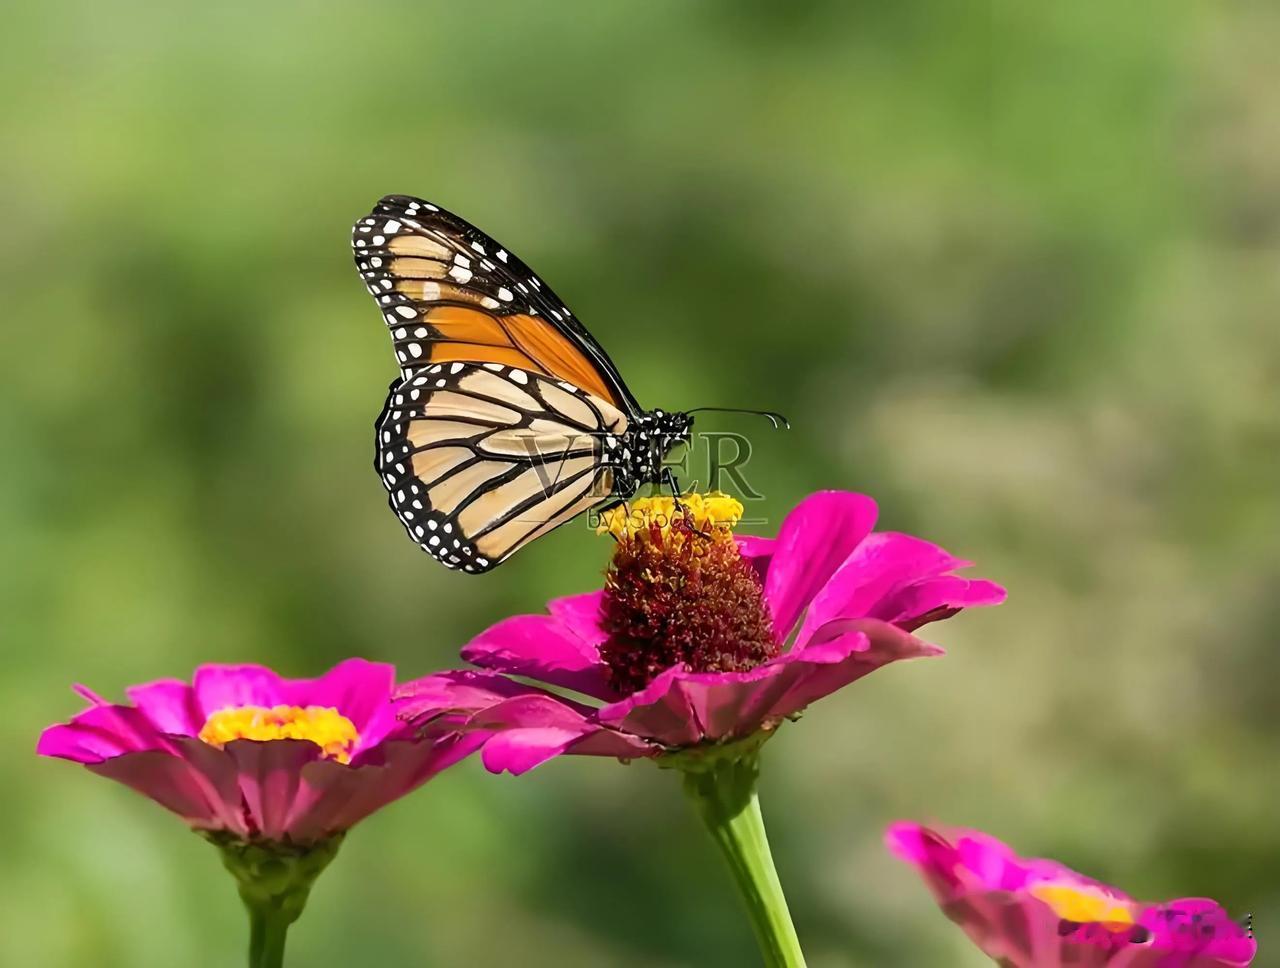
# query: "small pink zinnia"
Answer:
x=1030 y=913
x=273 y=771
x=698 y=647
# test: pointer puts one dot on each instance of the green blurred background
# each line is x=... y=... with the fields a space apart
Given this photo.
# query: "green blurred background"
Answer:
x=1009 y=267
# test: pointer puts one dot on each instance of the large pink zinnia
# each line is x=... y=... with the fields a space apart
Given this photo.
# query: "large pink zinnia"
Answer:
x=273 y=771
x=697 y=648
x=698 y=642
x=1030 y=913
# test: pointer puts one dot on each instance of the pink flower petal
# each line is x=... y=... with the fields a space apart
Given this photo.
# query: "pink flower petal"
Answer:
x=169 y=704
x=88 y=695
x=662 y=712
x=888 y=577
x=219 y=687
x=517 y=751
x=754 y=546
x=580 y=614
x=202 y=791
x=528 y=730
x=357 y=688
x=101 y=732
x=682 y=708
x=269 y=774
x=333 y=797
x=460 y=692
x=814 y=540
x=843 y=652
x=919 y=846
x=545 y=648
x=936 y=598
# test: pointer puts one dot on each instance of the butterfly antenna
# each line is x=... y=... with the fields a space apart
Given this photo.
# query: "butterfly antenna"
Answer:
x=778 y=420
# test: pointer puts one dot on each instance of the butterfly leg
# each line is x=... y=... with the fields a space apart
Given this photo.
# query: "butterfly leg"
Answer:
x=669 y=479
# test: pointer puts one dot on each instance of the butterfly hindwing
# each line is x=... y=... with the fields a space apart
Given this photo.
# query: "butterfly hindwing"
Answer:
x=480 y=458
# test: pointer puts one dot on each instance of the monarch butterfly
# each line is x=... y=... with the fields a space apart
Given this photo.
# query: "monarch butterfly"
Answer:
x=508 y=418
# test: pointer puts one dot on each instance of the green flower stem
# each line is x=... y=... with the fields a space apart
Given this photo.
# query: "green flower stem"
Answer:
x=274 y=881
x=724 y=792
x=267 y=930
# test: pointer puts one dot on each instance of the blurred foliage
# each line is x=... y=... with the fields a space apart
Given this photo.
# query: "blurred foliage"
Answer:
x=1009 y=267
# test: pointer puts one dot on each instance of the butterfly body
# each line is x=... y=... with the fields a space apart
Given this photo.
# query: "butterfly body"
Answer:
x=508 y=418
x=644 y=447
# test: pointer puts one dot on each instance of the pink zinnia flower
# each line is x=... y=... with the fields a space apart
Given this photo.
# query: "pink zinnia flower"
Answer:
x=697 y=648
x=1029 y=913
x=699 y=639
x=273 y=771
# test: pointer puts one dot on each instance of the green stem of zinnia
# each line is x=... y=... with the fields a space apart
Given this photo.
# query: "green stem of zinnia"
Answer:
x=267 y=931
x=274 y=881
x=724 y=793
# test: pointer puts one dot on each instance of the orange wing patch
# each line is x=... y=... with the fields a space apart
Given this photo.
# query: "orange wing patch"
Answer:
x=558 y=357
x=475 y=335
x=458 y=324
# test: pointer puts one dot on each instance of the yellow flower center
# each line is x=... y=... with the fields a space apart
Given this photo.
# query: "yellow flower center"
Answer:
x=713 y=513
x=323 y=725
x=1084 y=905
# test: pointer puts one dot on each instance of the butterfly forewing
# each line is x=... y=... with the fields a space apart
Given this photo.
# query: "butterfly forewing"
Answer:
x=450 y=293
x=481 y=458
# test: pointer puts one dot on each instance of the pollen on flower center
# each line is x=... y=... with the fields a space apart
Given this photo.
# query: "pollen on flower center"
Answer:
x=323 y=725
x=678 y=592
x=713 y=512
x=1074 y=902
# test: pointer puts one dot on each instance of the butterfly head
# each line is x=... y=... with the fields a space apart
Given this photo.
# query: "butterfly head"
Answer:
x=667 y=432
x=671 y=429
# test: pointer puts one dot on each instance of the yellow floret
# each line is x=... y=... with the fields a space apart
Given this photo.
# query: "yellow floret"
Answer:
x=1083 y=904
x=704 y=512
x=326 y=727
